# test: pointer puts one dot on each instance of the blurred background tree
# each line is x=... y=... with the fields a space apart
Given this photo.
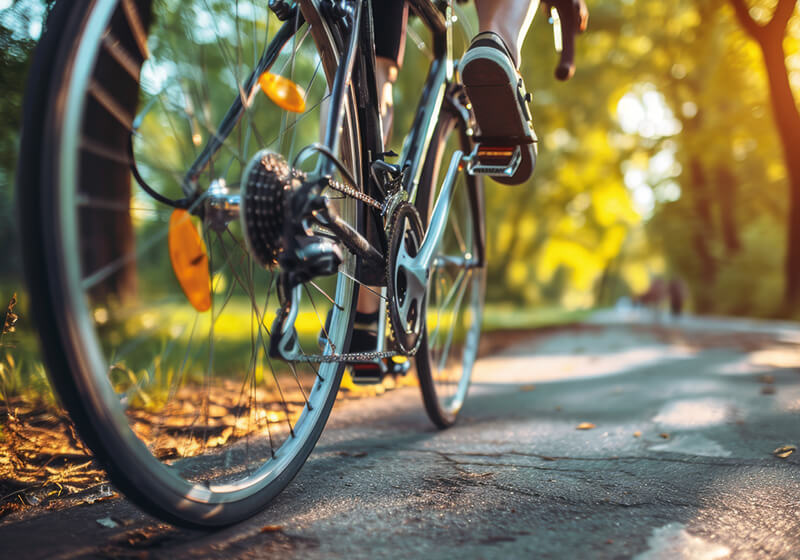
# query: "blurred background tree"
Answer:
x=663 y=157
x=770 y=35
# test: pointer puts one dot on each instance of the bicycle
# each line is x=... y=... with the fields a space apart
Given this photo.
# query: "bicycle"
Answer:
x=145 y=119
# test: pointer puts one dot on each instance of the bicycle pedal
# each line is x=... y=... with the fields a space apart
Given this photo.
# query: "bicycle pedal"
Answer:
x=494 y=161
x=367 y=373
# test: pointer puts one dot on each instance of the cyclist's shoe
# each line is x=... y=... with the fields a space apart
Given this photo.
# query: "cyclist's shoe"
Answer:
x=500 y=102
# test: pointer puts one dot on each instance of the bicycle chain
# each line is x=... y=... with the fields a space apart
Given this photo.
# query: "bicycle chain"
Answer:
x=354 y=193
x=351 y=357
x=356 y=356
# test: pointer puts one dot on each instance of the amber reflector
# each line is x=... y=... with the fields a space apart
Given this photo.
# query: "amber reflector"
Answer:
x=187 y=252
x=284 y=93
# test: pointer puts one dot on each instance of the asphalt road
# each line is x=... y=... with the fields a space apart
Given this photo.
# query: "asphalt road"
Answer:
x=679 y=463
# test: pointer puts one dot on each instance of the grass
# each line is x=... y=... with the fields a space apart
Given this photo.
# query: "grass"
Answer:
x=22 y=373
x=507 y=318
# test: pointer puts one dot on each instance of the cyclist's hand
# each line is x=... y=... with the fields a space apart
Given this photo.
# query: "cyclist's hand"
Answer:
x=571 y=18
x=583 y=15
x=581 y=12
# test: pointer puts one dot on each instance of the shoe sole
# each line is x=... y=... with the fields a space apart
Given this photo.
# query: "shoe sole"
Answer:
x=492 y=89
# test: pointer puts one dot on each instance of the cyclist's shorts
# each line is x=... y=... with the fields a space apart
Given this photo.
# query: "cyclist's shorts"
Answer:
x=389 y=20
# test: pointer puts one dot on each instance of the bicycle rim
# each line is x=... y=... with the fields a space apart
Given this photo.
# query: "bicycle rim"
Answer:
x=456 y=288
x=195 y=420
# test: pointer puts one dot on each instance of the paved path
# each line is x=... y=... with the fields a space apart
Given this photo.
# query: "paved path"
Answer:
x=678 y=465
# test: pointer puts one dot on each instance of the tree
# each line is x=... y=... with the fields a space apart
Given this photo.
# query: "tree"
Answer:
x=769 y=37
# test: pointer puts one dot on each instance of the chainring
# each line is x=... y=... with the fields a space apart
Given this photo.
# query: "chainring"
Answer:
x=406 y=297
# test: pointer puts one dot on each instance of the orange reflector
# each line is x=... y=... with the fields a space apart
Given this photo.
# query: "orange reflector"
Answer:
x=496 y=152
x=284 y=93
x=187 y=252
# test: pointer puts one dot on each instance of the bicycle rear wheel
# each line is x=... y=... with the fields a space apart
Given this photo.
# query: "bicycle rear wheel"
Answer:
x=457 y=283
x=155 y=322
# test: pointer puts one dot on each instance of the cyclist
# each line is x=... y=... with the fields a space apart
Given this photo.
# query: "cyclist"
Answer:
x=489 y=71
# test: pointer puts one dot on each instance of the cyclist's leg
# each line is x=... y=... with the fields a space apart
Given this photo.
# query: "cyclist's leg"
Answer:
x=390 y=18
x=510 y=19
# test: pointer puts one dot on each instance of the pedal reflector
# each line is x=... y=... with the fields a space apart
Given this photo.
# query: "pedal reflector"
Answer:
x=494 y=160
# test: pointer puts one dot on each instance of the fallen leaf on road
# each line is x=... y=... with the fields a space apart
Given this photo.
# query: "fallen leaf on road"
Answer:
x=107 y=522
x=664 y=435
x=585 y=426
x=637 y=433
x=768 y=390
x=784 y=451
x=271 y=528
x=349 y=454
x=104 y=493
x=526 y=388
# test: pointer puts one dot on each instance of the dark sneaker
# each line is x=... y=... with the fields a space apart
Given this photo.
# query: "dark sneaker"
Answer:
x=500 y=101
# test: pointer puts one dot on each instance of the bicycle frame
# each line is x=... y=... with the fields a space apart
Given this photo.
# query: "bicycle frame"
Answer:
x=418 y=140
x=415 y=148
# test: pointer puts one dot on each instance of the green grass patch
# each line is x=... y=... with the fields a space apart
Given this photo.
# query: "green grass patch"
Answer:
x=506 y=318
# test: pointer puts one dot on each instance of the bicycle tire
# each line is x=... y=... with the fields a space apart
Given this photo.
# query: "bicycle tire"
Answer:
x=183 y=488
x=444 y=369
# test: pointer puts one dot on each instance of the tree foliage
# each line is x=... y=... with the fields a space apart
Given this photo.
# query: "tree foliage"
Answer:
x=663 y=156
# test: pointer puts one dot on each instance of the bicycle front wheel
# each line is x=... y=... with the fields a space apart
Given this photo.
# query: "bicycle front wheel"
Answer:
x=457 y=283
x=155 y=321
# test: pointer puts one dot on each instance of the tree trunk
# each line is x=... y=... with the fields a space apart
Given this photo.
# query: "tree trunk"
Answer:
x=726 y=195
x=703 y=228
x=787 y=121
x=107 y=235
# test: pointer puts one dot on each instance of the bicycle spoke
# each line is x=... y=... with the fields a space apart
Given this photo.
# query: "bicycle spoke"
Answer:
x=451 y=332
x=384 y=298
x=453 y=291
x=114 y=266
x=457 y=233
x=325 y=294
x=136 y=27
